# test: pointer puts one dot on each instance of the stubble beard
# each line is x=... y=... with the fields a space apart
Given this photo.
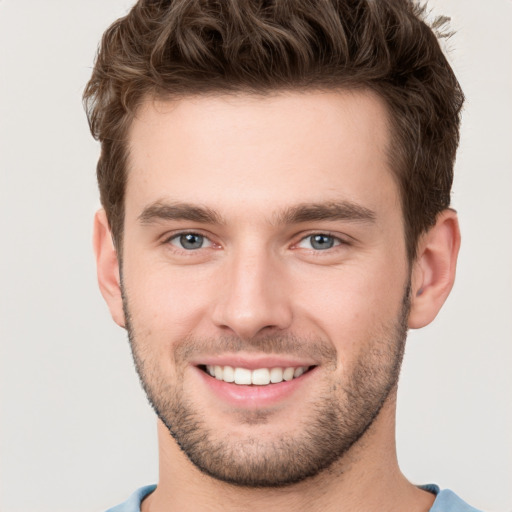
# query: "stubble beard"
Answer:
x=337 y=419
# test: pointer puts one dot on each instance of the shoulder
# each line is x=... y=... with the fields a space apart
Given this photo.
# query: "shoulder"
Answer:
x=448 y=501
x=132 y=504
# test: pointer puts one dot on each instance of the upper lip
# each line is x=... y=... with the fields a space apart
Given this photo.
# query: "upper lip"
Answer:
x=253 y=362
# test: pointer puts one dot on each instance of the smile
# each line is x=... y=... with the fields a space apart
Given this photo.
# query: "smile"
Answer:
x=257 y=377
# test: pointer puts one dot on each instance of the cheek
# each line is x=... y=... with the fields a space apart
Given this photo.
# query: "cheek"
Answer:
x=164 y=303
x=353 y=304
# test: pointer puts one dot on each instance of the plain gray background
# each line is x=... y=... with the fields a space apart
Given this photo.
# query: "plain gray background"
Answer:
x=76 y=432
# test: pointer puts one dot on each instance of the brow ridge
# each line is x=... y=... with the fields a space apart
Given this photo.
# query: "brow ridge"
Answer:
x=179 y=211
x=297 y=214
x=343 y=210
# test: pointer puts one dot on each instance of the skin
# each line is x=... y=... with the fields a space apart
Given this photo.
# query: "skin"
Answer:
x=251 y=160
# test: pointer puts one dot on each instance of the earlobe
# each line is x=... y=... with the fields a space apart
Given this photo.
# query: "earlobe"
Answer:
x=107 y=267
x=433 y=272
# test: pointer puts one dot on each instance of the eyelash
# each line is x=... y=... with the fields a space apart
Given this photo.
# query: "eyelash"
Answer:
x=338 y=244
x=177 y=236
x=337 y=241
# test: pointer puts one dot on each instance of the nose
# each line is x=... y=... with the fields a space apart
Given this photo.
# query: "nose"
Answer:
x=253 y=297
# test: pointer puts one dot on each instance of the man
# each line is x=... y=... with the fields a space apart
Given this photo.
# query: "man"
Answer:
x=275 y=180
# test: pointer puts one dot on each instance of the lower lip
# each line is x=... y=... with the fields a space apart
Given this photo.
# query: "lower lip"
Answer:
x=253 y=397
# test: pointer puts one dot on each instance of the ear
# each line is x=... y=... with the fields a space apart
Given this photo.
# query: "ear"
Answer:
x=107 y=267
x=434 y=269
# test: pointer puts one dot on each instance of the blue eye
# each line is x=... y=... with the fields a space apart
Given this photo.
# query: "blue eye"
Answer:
x=190 y=241
x=319 y=242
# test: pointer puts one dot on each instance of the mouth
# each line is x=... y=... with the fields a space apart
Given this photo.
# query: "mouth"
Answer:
x=255 y=382
x=257 y=377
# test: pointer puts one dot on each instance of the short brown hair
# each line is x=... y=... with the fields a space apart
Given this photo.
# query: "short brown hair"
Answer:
x=183 y=47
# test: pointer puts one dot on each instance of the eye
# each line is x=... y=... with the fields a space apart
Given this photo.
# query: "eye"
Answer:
x=190 y=241
x=319 y=242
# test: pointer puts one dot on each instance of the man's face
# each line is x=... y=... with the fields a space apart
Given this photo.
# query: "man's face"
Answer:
x=263 y=239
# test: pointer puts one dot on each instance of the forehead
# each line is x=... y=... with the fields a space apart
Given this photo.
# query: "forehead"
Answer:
x=278 y=149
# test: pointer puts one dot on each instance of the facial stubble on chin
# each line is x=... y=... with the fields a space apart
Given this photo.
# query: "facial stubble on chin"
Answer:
x=337 y=419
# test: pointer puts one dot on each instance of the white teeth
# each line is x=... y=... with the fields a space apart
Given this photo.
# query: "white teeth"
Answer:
x=259 y=377
x=219 y=372
x=288 y=373
x=276 y=375
x=229 y=374
x=297 y=373
x=242 y=376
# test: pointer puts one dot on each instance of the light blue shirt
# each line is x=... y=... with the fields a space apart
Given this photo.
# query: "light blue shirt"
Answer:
x=446 y=500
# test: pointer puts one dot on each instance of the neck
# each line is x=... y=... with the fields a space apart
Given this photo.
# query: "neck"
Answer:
x=367 y=478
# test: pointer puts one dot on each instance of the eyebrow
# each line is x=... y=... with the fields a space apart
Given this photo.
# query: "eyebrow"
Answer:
x=344 y=210
x=306 y=212
x=179 y=211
